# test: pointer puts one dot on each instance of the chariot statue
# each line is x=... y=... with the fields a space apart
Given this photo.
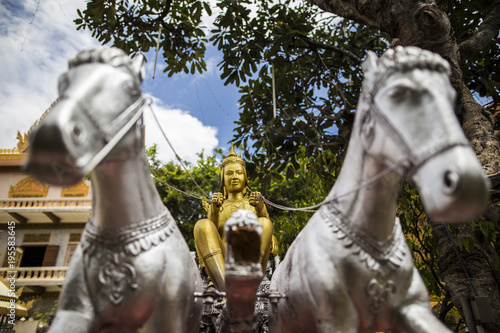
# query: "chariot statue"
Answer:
x=349 y=270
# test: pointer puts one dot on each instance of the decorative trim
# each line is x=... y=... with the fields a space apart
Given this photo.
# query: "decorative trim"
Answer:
x=114 y=248
x=375 y=254
x=129 y=240
x=211 y=254
x=75 y=237
x=74 y=204
x=45 y=226
x=80 y=189
x=28 y=188
x=36 y=238
x=378 y=294
x=116 y=274
x=11 y=154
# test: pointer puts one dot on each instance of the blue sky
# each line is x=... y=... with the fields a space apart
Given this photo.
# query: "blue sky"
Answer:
x=37 y=38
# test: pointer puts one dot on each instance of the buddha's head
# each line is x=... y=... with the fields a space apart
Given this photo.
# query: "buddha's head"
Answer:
x=233 y=173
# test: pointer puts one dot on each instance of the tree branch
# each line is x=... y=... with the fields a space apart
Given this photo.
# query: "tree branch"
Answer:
x=347 y=9
x=446 y=306
x=484 y=35
x=164 y=12
x=316 y=45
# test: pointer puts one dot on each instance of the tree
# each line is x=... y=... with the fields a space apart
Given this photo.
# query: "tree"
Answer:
x=134 y=26
x=427 y=25
x=315 y=56
x=186 y=206
x=307 y=52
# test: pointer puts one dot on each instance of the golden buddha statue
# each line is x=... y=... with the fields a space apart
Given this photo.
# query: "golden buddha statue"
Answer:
x=209 y=233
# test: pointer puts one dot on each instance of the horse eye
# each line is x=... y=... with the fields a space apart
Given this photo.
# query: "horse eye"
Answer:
x=78 y=133
x=401 y=93
x=131 y=88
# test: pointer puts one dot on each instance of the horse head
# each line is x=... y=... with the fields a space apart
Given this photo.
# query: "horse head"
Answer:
x=99 y=101
x=407 y=110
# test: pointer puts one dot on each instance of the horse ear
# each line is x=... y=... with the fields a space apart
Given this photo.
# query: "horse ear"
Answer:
x=369 y=68
x=138 y=64
x=371 y=61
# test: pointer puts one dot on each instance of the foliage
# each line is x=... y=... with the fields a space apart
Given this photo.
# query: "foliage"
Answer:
x=39 y=308
x=418 y=232
x=186 y=210
x=133 y=26
x=481 y=74
x=316 y=86
x=303 y=189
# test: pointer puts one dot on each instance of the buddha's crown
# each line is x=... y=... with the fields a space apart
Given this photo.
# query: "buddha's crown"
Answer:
x=232 y=158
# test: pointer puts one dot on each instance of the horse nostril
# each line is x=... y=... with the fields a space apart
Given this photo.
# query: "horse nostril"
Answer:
x=78 y=133
x=451 y=181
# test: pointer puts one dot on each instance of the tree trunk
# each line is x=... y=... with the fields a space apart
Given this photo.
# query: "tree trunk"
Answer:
x=467 y=274
x=421 y=23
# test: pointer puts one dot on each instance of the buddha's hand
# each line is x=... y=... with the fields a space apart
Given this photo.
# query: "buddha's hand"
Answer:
x=217 y=199
x=254 y=200
x=259 y=205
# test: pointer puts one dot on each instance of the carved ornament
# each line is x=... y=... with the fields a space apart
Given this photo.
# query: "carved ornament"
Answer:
x=375 y=254
x=114 y=249
x=75 y=237
x=80 y=189
x=130 y=240
x=10 y=154
x=28 y=188
x=36 y=238
x=117 y=275
x=22 y=141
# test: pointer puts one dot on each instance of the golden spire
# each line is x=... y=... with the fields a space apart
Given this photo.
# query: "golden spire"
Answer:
x=22 y=141
x=232 y=158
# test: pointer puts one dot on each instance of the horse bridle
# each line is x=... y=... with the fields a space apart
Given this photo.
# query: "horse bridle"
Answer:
x=112 y=133
x=412 y=161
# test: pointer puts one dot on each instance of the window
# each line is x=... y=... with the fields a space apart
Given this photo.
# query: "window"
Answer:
x=42 y=255
x=69 y=253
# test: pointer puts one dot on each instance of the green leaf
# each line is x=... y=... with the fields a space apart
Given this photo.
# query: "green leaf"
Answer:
x=207 y=8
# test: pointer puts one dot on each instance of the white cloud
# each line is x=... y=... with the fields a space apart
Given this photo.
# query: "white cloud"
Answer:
x=37 y=41
x=186 y=133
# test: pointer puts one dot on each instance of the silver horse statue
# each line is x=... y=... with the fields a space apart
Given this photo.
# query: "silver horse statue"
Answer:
x=350 y=270
x=133 y=271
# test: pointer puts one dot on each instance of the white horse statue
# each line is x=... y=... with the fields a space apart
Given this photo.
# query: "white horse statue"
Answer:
x=350 y=270
x=133 y=271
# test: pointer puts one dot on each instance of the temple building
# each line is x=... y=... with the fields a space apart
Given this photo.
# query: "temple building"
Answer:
x=47 y=223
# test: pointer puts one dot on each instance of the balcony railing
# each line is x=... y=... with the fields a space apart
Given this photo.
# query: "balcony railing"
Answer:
x=21 y=203
x=31 y=276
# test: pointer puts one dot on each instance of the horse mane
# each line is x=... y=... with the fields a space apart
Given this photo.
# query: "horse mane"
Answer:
x=111 y=56
x=400 y=59
x=404 y=59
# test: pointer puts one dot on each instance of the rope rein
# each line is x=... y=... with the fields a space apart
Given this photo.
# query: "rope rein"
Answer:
x=312 y=209
x=180 y=191
x=308 y=209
